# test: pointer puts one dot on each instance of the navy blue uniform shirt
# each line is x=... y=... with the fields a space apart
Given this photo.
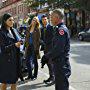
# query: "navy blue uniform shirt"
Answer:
x=60 y=42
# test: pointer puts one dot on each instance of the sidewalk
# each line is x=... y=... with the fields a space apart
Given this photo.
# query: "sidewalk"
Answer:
x=38 y=83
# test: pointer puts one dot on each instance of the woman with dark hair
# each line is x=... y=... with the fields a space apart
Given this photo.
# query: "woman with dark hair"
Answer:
x=32 y=47
x=9 y=53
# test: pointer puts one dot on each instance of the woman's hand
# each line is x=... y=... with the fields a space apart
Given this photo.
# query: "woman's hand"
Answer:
x=18 y=44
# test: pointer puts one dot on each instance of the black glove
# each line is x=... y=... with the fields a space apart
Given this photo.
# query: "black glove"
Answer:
x=44 y=60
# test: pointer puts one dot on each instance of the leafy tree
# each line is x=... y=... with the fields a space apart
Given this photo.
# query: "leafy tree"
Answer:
x=83 y=4
x=28 y=2
x=33 y=3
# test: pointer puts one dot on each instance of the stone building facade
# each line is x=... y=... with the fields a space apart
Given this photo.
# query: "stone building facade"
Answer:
x=15 y=7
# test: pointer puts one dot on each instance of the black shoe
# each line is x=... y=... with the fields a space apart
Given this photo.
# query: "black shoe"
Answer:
x=31 y=78
x=22 y=79
x=49 y=81
x=27 y=78
x=34 y=77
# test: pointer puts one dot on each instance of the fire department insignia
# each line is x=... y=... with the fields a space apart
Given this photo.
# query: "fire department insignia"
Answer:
x=61 y=32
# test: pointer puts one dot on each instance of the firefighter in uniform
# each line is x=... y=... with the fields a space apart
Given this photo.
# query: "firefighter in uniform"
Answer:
x=60 y=51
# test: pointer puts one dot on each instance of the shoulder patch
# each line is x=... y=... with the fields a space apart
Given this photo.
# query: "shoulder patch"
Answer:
x=61 y=32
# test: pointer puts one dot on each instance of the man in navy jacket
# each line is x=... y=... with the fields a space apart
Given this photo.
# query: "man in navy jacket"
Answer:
x=46 y=37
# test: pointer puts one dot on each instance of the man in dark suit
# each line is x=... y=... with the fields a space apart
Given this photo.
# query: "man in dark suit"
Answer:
x=46 y=38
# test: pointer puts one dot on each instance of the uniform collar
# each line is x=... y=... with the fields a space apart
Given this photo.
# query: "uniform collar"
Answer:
x=59 y=25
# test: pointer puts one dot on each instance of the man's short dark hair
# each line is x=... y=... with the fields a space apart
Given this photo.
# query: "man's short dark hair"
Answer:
x=43 y=16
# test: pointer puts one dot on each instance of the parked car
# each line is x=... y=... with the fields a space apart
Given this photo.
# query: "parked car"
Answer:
x=84 y=35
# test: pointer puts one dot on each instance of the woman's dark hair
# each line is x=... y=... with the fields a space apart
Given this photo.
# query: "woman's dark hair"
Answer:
x=4 y=19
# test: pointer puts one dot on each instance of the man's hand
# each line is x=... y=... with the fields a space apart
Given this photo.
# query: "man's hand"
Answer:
x=44 y=60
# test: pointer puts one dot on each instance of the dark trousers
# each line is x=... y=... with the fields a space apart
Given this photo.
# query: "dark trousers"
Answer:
x=61 y=81
x=31 y=58
x=50 y=66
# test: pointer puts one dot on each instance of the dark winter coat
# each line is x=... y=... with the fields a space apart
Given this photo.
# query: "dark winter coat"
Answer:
x=9 y=57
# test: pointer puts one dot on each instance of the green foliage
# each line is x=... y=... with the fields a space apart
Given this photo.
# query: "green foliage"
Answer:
x=83 y=4
x=28 y=2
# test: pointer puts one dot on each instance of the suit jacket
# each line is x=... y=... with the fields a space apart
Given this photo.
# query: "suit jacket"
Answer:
x=46 y=37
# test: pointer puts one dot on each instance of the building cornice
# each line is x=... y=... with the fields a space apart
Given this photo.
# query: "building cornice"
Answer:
x=10 y=4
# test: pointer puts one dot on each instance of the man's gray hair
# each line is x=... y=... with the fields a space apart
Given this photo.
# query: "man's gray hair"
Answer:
x=59 y=12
